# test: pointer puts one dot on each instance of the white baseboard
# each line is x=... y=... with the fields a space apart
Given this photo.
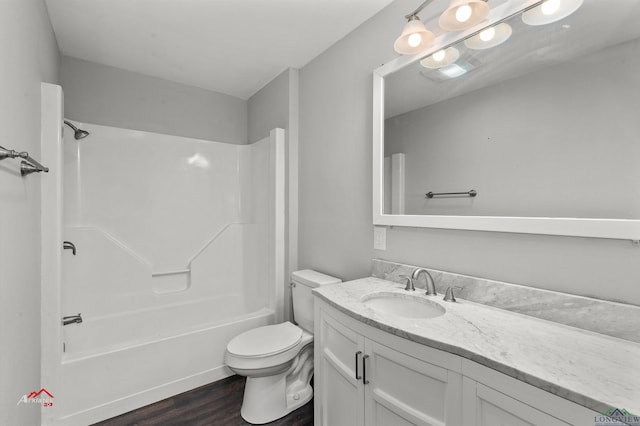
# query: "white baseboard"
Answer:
x=141 y=399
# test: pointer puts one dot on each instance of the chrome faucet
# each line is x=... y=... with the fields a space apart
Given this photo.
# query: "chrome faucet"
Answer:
x=430 y=284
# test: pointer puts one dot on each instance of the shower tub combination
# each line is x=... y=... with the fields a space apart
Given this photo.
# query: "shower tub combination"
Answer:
x=179 y=247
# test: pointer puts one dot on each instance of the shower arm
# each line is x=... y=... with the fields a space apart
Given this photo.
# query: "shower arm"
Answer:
x=9 y=153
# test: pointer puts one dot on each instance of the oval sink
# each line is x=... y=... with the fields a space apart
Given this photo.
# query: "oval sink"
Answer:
x=402 y=305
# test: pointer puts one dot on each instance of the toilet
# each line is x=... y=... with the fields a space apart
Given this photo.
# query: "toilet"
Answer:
x=278 y=359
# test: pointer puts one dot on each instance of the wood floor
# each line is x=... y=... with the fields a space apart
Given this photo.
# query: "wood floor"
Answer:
x=211 y=405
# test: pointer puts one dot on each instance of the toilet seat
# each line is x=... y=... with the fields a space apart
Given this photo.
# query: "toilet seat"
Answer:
x=265 y=341
x=268 y=347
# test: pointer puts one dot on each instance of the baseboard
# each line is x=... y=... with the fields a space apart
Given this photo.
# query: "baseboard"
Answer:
x=141 y=399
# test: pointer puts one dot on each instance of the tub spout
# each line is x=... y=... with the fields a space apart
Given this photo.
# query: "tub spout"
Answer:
x=72 y=319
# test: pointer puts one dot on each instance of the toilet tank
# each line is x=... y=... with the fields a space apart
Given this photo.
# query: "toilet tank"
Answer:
x=302 y=282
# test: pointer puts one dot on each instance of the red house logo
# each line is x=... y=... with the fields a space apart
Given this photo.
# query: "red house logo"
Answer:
x=40 y=392
x=42 y=396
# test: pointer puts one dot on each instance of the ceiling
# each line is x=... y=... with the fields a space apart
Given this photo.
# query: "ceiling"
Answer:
x=228 y=46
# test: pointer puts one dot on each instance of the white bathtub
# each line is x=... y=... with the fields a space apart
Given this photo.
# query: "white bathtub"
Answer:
x=99 y=385
x=111 y=333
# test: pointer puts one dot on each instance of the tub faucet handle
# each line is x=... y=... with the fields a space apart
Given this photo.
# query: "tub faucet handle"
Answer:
x=72 y=319
x=68 y=245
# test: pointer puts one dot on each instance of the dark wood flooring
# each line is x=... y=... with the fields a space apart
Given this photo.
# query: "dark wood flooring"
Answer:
x=210 y=405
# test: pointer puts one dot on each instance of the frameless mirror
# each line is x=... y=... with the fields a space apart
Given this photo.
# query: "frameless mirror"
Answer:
x=524 y=120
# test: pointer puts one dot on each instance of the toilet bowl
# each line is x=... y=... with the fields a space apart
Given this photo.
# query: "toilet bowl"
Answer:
x=278 y=359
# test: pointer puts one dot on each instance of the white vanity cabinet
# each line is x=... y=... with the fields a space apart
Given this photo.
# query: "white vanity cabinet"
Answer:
x=364 y=376
x=367 y=377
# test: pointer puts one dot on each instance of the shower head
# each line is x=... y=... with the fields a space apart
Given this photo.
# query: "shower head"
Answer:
x=77 y=133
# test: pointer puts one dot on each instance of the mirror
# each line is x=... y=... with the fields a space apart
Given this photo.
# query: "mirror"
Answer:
x=520 y=126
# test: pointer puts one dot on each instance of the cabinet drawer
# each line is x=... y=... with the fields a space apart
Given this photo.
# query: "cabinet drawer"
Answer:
x=494 y=408
x=492 y=388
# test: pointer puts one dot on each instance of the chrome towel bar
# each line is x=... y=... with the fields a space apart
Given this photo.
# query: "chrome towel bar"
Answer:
x=471 y=193
x=26 y=167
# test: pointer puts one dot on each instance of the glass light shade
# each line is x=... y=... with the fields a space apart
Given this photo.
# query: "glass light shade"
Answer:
x=541 y=15
x=463 y=13
x=450 y=22
x=450 y=56
x=502 y=33
x=550 y=7
x=411 y=29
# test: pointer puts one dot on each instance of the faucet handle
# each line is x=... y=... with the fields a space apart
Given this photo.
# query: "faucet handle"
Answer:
x=449 y=296
x=408 y=283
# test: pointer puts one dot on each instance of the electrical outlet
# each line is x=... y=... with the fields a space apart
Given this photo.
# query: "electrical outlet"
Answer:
x=380 y=237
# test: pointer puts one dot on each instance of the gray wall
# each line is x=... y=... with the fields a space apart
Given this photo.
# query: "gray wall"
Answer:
x=29 y=56
x=269 y=107
x=100 y=94
x=539 y=145
x=276 y=105
x=336 y=235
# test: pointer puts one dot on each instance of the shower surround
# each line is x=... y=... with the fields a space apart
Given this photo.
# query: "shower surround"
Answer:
x=179 y=248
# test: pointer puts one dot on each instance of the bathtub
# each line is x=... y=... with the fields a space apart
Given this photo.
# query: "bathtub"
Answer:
x=118 y=377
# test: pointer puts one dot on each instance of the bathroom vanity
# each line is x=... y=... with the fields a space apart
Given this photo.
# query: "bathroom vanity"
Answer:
x=471 y=364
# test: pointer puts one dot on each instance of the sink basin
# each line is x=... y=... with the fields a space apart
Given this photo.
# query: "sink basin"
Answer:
x=402 y=305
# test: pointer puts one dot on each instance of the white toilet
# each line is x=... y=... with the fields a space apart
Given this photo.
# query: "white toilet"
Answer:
x=278 y=359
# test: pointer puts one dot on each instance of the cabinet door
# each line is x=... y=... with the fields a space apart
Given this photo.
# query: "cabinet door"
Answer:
x=485 y=406
x=404 y=390
x=339 y=393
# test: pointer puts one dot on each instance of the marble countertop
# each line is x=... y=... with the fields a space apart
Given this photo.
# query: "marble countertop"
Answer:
x=590 y=369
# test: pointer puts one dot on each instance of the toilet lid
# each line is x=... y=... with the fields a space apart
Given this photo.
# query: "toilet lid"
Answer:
x=264 y=341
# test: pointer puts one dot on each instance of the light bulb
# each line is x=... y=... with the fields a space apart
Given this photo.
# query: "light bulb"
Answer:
x=550 y=7
x=414 y=40
x=463 y=13
x=488 y=34
x=439 y=55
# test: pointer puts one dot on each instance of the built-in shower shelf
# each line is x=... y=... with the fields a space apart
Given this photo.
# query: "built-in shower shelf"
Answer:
x=176 y=272
x=169 y=282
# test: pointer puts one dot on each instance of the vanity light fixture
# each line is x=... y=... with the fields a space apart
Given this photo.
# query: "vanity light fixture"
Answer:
x=460 y=15
x=550 y=11
x=415 y=37
x=490 y=37
x=441 y=58
x=463 y=14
